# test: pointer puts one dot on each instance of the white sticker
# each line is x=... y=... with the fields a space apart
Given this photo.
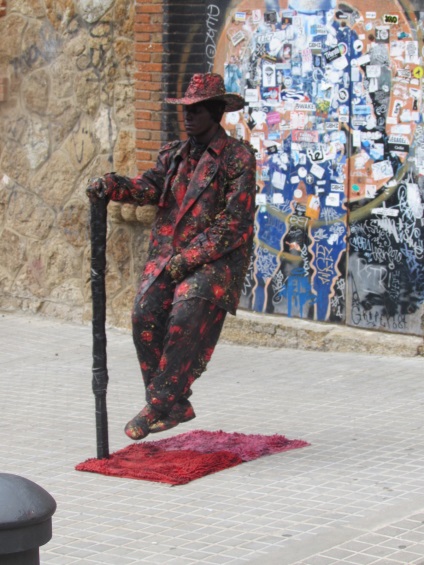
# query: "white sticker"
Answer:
x=385 y=211
x=278 y=179
x=373 y=71
x=269 y=76
x=251 y=95
x=356 y=138
x=364 y=60
x=256 y=16
x=277 y=198
x=370 y=15
x=317 y=171
x=340 y=63
x=358 y=45
x=397 y=48
x=333 y=199
x=414 y=199
x=237 y=38
x=370 y=190
x=382 y=170
x=355 y=74
x=260 y=199
x=411 y=52
x=401 y=129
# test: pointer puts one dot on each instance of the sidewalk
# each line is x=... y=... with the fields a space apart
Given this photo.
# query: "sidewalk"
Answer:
x=355 y=496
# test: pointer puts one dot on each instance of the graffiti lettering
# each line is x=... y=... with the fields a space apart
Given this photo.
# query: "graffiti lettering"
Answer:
x=93 y=59
x=278 y=283
x=45 y=51
x=304 y=255
x=324 y=264
x=212 y=19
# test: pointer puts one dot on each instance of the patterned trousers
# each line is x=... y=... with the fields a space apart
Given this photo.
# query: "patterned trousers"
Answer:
x=174 y=342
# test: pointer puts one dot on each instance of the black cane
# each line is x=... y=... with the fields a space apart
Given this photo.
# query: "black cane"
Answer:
x=98 y=226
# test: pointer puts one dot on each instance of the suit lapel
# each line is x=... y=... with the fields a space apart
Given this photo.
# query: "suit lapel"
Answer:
x=201 y=179
x=205 y=172
x=173 y=168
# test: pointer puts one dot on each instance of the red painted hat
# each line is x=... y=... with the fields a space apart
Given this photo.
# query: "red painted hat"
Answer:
x=209 y=86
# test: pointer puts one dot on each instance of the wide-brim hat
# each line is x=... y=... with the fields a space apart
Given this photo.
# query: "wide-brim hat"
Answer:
x=209 y=86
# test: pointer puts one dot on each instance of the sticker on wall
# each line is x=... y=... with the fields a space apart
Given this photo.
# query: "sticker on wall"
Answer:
x=390 y=19
x=382 y=34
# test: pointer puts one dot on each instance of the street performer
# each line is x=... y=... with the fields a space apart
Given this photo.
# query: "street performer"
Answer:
x=199 y=250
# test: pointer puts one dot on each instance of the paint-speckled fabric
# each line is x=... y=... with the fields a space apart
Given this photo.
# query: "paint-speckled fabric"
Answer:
x=199 y=251
x=174 y=341
x=210 y=233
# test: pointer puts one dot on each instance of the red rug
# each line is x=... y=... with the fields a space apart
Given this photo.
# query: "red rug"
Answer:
x=180 y=459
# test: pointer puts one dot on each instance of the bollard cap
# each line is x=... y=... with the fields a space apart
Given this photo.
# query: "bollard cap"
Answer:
x=25 y=514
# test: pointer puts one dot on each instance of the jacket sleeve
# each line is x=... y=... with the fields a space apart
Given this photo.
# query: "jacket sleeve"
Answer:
x=233 y=226
x=143 y=189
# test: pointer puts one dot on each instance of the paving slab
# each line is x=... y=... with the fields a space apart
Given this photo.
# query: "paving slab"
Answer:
x=354 y=496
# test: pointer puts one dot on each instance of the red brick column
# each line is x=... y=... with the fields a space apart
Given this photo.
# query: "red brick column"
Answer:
x=148 y=35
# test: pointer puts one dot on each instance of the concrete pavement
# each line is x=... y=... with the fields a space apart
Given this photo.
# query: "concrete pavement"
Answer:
x=355 y=496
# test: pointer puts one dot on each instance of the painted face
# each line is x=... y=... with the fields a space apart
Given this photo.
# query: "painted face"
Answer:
x=198 y=122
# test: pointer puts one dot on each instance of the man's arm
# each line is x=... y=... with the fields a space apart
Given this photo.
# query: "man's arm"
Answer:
x=142 y=189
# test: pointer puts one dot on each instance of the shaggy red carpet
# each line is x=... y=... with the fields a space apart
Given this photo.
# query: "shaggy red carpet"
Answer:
x=180 y=459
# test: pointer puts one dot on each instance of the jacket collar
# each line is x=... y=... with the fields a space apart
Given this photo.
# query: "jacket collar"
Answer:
x=216 y=144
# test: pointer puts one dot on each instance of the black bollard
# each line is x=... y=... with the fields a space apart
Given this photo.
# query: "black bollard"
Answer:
x=26 y=511
x=98 y=225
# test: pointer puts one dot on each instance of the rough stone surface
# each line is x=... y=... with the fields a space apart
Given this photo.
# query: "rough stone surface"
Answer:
x=124 y=154
x=74 y=223
x=55 y=181
x=68 y=115
x=11 y=27
x=35 y=92
x=33 y=8
x=93 y=10
x=29 y=215
x=146 y=214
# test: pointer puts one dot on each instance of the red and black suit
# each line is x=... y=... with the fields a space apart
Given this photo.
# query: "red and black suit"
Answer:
x=198 y=255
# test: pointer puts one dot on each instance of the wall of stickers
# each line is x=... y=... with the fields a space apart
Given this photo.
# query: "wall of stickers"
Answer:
x=335 y=113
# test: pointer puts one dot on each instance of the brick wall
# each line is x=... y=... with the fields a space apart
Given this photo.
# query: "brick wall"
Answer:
x=148 y=80
x=169 y=48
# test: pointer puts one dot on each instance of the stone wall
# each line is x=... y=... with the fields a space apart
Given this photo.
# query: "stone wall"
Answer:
x=66 y=114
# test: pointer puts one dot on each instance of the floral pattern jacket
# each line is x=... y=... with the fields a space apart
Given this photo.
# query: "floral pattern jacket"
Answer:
x=210 y=233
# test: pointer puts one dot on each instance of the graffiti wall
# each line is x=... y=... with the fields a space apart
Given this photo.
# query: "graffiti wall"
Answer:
x=335 y=113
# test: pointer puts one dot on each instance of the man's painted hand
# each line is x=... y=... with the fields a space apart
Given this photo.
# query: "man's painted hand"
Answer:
x=111 y=187
x=176 y=268
x=96 y=189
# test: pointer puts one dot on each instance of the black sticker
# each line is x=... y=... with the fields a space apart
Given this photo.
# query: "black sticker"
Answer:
x=270 y=17
x=332 y=54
